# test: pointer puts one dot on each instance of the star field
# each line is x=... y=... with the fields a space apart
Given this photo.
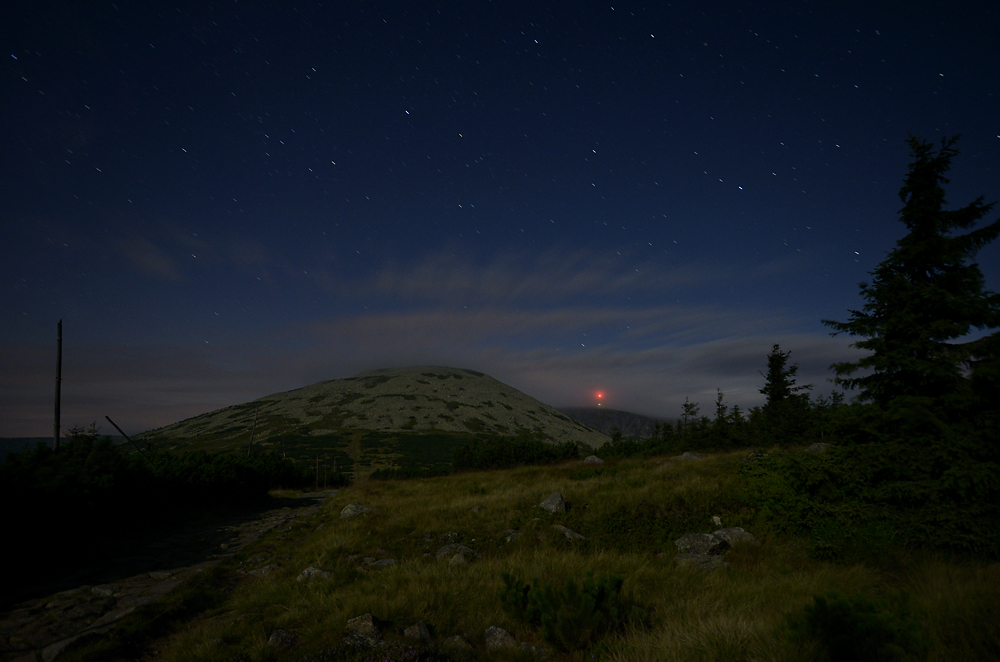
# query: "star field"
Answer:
x=226 y=200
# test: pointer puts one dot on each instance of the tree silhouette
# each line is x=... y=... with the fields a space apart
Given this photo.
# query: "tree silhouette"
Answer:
x=924 y=295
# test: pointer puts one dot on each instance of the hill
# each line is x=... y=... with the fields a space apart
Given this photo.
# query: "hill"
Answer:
x=606 y=420
x=413 y=417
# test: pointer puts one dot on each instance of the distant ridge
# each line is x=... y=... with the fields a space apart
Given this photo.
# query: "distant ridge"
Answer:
x=388 y=417
x=606 y=420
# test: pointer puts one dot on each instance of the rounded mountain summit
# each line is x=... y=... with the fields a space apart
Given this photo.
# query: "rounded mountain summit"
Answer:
x=408 y=401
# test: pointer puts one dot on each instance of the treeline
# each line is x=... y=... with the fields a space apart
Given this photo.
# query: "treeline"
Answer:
x=65 y=508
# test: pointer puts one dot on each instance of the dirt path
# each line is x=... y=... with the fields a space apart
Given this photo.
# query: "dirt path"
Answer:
x=41 y=628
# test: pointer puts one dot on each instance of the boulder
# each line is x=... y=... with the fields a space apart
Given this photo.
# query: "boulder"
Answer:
x=497 y=638
x=449 y=537
x=570 y=534
x=688 y=455
x=456 y=644
x=449 y=551
x=510 y=535
x=364 y=626
x=700 y=543
x=313 y=571
x=593 y=459
x=733 y=534
x=418 y=631
x=554 y=504
x=282 y=640
x=353 y=509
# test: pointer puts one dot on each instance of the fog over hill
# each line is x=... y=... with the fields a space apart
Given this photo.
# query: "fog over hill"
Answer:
x=606 y=420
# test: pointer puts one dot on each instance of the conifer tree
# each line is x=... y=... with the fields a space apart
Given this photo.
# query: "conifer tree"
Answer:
x=779 y=382
x=924 y=295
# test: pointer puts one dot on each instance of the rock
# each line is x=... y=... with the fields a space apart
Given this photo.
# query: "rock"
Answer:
x=313 y=571
x=475 y=509
x=364 y=626
x=700 y=543
x=264 y=570
x=540 y=651
x=703 y=562
x=449 y=537
x=372 y=564
x=818 y=447
x=353 y=509
x=753 y=456
x=104 y=590
x=688 y=455
x=418 y=631
x=497 y=638
x=554 y=504
x=282 y=640
x=458 y=559
x=716 y=520
x=510 y=535
x=448 y=551
x=570 y=535
x=456 y=644
x=733 y=534
x=593 y=459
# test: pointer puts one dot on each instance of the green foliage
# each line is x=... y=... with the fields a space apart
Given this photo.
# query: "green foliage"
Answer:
x=574 y=616
x=506 y=452
x=857 y=628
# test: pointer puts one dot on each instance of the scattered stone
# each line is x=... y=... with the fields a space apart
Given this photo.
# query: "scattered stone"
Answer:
x=282 y=640
x=497 y=638
x=458 y=559
x=418 y=631
x=593 y=459
x=364 y=626
x=699 y=543
x=554 y=504
x=716 y=520
x=570 y=534
x=688 y=455
x=456 y=644
x=703 y=562
x=313 y=571
x=475 y=509
x=540 y=651
x=353 y=509
x=160 y=574
x=818 y=447
x=104 y=590
x=450 y=537
x=448 y=551
x=264 y=570
x=372 y=563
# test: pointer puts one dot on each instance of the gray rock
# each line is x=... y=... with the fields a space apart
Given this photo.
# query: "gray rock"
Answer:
x=450 y=537
x=104 y=590
x=282 y=640
x=456 y=644
x=497 y=638
x=458 y=559
x=364 y=626
x=818 y=447
x=703 y=562
x=313 y=571
x=418 y=631
x=448 y=551
x=688 y=455
x=353 y=509
x=510 y=535
x=734 y=534
x=570 y=535
x=475 y=509
x=593 y=459
x=554 y=504
x=264 y=570
x=700 y=543
x=539 y=651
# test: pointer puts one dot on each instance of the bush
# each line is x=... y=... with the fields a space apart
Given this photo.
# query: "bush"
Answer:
x=504 y=453
x=859 y=629
x=572 y=617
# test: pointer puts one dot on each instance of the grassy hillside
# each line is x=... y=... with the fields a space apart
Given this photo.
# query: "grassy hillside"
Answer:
x=630 y=512
x=404 y=417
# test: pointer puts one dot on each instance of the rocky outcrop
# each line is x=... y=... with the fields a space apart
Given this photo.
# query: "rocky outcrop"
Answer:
x=703 y=551
x=498 y=639
x=570 y=534
x=593 y=459
x=353 y=509
x=554 y=503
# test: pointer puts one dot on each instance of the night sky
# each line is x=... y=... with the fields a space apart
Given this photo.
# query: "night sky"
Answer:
x=226 y=199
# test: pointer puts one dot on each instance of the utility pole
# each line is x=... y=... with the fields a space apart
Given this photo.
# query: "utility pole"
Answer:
x=55 y=431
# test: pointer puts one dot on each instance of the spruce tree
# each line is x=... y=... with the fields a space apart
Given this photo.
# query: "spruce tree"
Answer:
x=779 y=382
x=924 y=295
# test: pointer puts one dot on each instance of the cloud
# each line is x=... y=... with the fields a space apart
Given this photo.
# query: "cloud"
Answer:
x=149 y=259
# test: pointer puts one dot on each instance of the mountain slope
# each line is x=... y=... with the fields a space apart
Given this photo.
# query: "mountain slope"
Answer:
x=606 y=420
x=365 y=418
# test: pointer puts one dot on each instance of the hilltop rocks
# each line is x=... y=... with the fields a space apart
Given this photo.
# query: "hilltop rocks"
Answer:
x=455 y=644
x=418 y=631
x=456 y=554
x=688 y=455
x=699 y=543
x=554 y=503
x=363 y=626
x=593 y=459
x=353 y=509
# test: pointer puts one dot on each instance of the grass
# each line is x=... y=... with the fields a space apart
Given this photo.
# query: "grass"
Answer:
x=629 y=510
